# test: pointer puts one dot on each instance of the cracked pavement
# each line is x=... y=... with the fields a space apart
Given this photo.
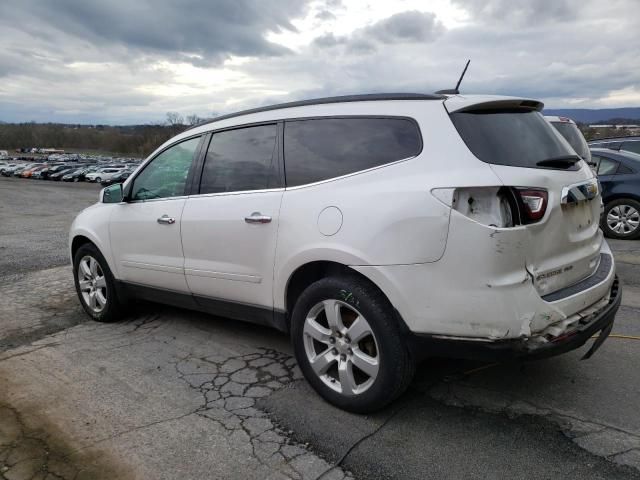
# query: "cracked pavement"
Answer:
x=170 y=393
x=167 y=394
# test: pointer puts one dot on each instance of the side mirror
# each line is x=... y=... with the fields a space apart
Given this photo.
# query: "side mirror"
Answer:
x=111 y=194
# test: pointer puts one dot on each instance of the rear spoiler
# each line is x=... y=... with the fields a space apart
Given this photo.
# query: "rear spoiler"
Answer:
x=465 y=104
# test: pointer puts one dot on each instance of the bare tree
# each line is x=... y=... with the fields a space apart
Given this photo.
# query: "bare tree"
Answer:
x=194 y=119
x=174 y=119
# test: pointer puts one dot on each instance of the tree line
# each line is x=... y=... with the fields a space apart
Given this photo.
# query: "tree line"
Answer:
x=130 y=140
x=140 y=140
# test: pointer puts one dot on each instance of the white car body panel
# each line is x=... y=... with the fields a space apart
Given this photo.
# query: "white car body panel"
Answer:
x=93 y=224
x=224 y=256
x=146 y=252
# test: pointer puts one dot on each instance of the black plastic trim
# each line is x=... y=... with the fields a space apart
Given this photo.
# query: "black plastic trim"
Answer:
x=214 y=306
x=367 y=97
x=603 y=271
x=193 y=177
x=280 y=147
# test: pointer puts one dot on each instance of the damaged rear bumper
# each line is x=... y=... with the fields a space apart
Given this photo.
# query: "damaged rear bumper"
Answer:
x=535 y=347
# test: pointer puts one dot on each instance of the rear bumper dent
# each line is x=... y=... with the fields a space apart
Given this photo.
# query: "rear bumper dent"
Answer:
x=534 y=347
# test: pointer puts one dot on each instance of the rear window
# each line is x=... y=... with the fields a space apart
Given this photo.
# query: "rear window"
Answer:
x=319 y=149
x=517 y=138
x=633 y=146
x=572 y=134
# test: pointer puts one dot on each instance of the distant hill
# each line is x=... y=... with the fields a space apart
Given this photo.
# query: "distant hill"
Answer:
x=602 y=115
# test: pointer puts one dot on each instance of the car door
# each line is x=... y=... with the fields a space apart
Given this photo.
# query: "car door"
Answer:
x=145 y=228
x=229 y=229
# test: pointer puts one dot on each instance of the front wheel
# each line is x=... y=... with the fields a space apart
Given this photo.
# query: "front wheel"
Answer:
x=621 y=219
x=348 y=344
x=95 y=285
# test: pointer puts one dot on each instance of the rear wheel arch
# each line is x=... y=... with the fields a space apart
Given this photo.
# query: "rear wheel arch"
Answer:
x=311 y=272
x=620 y=196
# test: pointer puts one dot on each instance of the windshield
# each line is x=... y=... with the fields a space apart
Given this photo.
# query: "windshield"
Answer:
x=513 y=137
x=572 y=134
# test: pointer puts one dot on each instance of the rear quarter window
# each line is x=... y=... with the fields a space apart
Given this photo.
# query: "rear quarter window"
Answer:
x=320 y=149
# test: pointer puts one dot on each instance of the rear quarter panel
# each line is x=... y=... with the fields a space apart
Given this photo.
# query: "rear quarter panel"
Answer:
x=388 y=214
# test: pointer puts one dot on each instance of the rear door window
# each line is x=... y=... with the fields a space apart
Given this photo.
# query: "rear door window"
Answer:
x=324 y=148
x=243 y=159
x=512 y=137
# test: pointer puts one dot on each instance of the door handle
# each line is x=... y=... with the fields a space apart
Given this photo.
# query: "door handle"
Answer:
x=257 y=217
x=166 y=220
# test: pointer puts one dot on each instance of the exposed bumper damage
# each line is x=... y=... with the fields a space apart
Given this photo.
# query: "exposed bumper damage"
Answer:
x=558 y=338
x=480 y=300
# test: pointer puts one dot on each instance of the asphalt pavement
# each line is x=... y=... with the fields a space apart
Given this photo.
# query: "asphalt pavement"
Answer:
x=169 y=393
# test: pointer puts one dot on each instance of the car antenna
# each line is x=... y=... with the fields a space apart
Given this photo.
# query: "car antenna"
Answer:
x=456 y=90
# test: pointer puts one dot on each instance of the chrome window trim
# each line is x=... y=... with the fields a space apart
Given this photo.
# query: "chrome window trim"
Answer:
x=163 y=199
x=240 y=192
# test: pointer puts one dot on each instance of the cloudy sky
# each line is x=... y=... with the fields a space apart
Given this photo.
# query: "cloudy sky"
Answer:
x=131 y=61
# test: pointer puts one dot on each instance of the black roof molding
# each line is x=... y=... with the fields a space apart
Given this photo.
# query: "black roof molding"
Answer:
x=368 y=97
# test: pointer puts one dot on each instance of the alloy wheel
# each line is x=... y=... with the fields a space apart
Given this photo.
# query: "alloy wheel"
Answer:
x=341 y=347
x=92 y=283
x=623 y=219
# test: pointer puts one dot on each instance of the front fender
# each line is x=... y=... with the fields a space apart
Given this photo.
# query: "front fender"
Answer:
x=93 y=224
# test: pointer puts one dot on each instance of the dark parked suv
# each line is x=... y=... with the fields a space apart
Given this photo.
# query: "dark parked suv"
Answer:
x=619 y=175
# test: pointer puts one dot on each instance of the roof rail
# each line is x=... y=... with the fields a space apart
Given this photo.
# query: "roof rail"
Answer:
x=321 y=101
x=621 y=139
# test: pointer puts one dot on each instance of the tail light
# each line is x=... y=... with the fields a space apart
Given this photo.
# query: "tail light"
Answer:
x=534 y=201
x=501 y=207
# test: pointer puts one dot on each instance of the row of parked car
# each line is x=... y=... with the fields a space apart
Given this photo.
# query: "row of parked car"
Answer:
x=68 y=172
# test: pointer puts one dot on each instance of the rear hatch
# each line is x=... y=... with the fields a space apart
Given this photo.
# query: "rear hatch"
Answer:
x=525 y=152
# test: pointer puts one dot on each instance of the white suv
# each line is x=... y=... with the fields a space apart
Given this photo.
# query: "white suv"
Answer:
x=375 y=229
x=103 y=174
x=572 y=134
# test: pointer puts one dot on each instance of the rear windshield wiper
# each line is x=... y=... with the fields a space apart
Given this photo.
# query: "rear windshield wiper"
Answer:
x=563 y=161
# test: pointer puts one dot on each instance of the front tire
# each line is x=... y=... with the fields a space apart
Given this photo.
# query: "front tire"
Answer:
x=95 y=285
x=348 y=344
x=621 y=219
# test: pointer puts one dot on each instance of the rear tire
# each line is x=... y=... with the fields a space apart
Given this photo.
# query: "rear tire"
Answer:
x=356 y=359
x=621 y=219
x=96 y=285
